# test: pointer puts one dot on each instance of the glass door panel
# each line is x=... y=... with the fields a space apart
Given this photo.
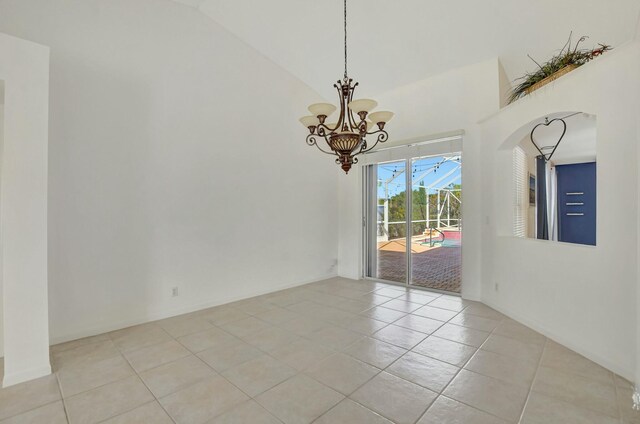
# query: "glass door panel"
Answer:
x=387 y=237
x=436 y=222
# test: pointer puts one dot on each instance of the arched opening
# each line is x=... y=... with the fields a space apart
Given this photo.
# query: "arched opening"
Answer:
x=552 y=186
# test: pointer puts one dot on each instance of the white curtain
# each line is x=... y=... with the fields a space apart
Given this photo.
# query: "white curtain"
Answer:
x=552 y=201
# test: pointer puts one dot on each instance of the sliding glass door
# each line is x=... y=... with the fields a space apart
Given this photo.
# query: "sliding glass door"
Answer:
x=388 y=214
x=414 y=236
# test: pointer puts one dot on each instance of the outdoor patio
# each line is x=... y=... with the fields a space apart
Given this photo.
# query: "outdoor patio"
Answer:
x=434 y=268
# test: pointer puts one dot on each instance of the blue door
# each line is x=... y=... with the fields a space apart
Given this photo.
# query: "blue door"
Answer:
x=577 y=203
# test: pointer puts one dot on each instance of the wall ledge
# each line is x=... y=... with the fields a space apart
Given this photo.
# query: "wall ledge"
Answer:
x=565 y=79
x=553 y=244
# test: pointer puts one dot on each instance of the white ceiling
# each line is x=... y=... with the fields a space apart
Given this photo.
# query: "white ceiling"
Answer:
x=392 y=43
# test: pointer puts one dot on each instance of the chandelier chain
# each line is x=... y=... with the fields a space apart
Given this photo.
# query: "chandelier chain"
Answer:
x=345 y=39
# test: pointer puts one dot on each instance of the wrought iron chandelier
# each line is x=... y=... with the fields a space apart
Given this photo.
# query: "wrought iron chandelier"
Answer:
x=347 y=137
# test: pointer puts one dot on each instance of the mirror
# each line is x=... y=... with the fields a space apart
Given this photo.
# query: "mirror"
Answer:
x=554 y=173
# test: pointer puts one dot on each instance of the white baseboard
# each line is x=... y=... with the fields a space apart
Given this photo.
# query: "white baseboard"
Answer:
x=551 y=334
x=107 y=327
x=349 y=276
x=22 y=376
x=470 y=296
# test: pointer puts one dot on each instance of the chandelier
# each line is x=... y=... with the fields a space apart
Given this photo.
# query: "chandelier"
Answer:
x=355 y=127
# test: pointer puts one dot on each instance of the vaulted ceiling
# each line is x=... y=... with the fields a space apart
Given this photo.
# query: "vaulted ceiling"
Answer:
x=392 y=43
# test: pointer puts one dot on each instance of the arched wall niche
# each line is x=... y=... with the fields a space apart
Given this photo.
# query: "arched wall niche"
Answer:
x=576 y=120
x=525 y=128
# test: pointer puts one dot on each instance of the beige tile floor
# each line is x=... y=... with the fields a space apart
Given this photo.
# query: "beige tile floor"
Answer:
x=336 y=351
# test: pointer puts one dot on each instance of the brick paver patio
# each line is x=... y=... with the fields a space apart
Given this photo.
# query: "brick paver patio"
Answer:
x=436 y=268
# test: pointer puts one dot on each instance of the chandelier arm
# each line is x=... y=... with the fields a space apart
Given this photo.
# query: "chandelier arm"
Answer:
x=311 y=141
x=382 y=137
x=352 y=120
x=325 y=127
x=376 y=132
x=322 y=133
x=342 y=106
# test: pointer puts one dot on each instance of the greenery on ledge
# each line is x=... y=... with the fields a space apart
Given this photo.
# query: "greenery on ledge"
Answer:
x=568 y=55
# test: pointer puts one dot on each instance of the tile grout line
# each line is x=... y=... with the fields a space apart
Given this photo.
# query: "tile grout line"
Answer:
x=26 y=411
x=339 y=351
x=44 y=404
x=288 y=379
x=615 y=385
x=535 y=376
x=119 y=414
x=148 y=388
x=65 y=398
x=64 y=402
x=400 y=357
x=195 y=354
x=251 y=398
x=441 y=393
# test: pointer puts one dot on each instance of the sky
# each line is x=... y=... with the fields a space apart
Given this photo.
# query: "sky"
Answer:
x=387 y=172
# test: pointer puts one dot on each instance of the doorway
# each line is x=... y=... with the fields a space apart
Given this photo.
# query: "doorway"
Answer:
x=414 y=236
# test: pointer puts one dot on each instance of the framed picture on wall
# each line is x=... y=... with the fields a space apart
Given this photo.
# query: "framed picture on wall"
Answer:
x=532 y=189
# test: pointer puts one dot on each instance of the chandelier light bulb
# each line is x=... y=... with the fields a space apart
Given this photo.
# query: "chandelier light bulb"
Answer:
x=382 y=116
x=309 y=121
x=370 y=126
x=322 y=109
x=362 y=105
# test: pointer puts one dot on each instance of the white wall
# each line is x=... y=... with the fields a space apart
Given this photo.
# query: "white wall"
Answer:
x=24 y=68
x=456 y=100
x=1 y=144
x=176 y=159
x=581 y=296
x=637 y=375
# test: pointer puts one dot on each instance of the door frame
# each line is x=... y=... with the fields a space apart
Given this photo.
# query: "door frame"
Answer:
x=368 y=212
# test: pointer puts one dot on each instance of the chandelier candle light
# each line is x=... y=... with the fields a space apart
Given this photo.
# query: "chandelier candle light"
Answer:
x=346 y=137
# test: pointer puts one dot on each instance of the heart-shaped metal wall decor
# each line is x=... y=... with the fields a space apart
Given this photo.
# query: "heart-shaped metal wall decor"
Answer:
x=547 y=156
